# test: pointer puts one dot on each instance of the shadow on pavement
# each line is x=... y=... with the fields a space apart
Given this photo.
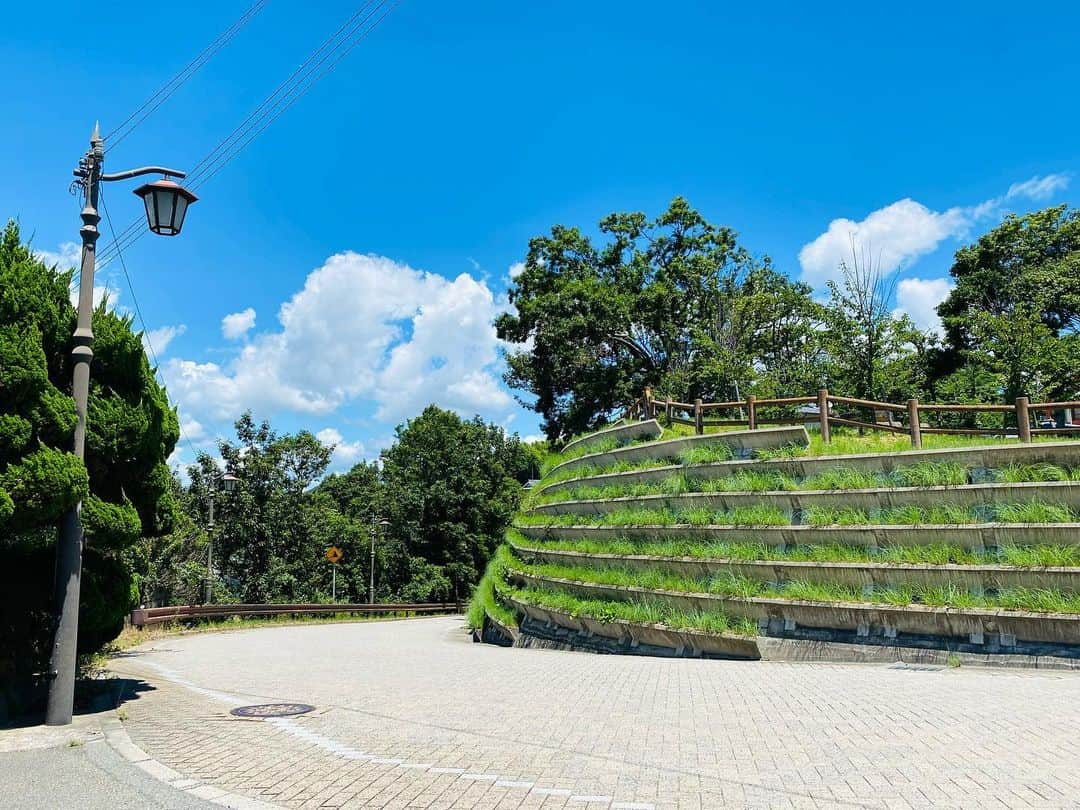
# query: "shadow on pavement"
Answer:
x=91 y=697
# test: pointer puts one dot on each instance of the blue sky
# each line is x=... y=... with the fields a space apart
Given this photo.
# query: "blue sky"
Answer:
x=342 y=272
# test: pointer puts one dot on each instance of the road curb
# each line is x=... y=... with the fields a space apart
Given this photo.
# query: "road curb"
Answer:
x=120 y=741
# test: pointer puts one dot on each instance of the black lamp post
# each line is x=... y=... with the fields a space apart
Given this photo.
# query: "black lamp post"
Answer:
x=169 y=203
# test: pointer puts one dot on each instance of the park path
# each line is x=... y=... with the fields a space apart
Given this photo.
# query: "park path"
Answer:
x=411 y=714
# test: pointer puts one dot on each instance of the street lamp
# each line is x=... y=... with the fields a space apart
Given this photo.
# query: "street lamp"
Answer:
x=382 y=522
x=227 y=482
x=170 y=204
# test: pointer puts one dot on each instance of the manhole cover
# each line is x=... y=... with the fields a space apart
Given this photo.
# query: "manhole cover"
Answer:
x=272 y=710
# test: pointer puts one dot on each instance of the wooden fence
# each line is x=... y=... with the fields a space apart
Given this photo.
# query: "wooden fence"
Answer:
x=828 y=409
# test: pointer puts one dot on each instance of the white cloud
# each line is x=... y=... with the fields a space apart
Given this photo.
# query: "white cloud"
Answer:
x=362 y=328
x=902 y=231
x=1038 y=188
x=192 y=430
x=516 y=269
x=238 y=324
x=160 y=338
x=346 y=454
x=68 y=255
x=919 y=297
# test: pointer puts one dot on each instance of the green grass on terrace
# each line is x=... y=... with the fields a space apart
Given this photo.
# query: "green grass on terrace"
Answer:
x=934 y=554
x=845 y=441
x=1039 y=600
x=1028 y=512
x=848 y=441
x=637 y=612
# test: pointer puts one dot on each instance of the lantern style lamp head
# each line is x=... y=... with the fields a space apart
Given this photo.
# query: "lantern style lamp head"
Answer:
x=228 y=482
x=166 y=204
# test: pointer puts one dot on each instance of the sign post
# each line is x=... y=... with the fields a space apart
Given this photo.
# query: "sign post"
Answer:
x=334 y=555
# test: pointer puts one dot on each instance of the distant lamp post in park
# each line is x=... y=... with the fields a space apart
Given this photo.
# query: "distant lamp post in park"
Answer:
x=382 y=522
x=166 y=205
x=227 y=483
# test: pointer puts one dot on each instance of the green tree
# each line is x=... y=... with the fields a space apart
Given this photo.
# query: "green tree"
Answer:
x=674 y=302
x=1015 y=309
x=451 y=487
x=873 y=354
x=266 y=548
x=125 y=483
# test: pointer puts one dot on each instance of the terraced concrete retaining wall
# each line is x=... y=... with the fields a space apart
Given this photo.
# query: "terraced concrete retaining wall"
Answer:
x=742 y=442
x=1065 y=454
x=854 y=574
x=631 y=431
x=630 y=634
x=1063 y=493
x=974 y=536
x=846 y=616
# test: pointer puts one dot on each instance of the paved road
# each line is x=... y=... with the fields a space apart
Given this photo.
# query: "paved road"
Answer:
x=410 y=714
x=74 y=767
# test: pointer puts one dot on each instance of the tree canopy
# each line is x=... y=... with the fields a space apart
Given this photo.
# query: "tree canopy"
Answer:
x=125 y=483
x=446 y=488
x=673 y=302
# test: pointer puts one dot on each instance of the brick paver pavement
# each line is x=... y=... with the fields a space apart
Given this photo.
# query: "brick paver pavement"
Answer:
x=410 y=714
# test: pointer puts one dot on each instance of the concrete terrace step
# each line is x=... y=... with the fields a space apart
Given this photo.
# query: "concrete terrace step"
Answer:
x=972 y=536
x=742 y=442
x=922 y=620
x=631 y=431
x=1065 y=454
x=856 y=574
x=1062 y=493
x=682 y=642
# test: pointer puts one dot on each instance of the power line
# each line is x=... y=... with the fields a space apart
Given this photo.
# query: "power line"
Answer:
x=335 y=48
x=142 y=321
x=285 y=92
x=162 y=94
x=267 y=122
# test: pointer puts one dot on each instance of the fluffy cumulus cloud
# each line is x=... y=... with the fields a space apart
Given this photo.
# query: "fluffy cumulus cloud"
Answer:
x=516 y=269
x=346 y=454
x=901 y=232
x=238 y=324
x=919 y=297
x=69 y=255
x=362 y=328
x=157 y=341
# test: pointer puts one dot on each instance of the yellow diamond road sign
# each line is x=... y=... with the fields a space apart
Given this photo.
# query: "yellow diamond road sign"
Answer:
x=334 y=555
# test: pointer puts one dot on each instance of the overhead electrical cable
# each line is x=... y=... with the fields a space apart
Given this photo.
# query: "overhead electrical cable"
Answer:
x=317 y=65
x=162 y=94
x=138 y=312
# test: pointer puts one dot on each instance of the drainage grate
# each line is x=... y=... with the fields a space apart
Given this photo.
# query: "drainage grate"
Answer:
x=272 y=710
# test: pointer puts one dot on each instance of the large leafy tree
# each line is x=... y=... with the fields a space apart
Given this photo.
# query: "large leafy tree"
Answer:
x=1012 y=319
x=673 y=302
x=265 y=548
x=125 y=483
x=452 y=486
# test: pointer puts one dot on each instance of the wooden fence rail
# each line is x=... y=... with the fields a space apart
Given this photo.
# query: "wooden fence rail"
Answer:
x=749 y=410
x=141 y=617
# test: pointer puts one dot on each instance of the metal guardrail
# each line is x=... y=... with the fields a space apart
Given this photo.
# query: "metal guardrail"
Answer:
x=140 y=617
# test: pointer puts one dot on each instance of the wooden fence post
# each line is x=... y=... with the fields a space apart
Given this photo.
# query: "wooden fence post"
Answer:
x=667 y=411
x=699 y=426
x=823 y=413
x=1023 y=419
x=648 y=402
x=913 y=423
x=751 y=411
